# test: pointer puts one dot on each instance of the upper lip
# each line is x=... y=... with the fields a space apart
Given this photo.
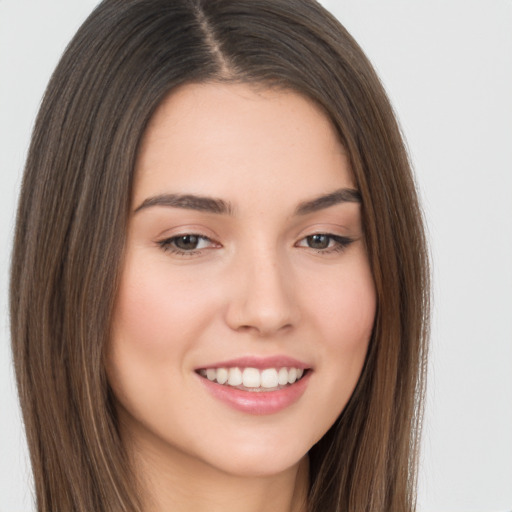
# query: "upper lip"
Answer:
x=279 y=361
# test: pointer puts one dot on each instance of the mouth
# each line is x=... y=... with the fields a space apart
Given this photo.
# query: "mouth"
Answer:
x=254 y=379
x=256 y=385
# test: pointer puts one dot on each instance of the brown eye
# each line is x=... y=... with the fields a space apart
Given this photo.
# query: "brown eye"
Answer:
x=187 y=242
x=325 y=243
x=318 y=241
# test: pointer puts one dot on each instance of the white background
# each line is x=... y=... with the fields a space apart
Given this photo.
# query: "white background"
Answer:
x=447 y=66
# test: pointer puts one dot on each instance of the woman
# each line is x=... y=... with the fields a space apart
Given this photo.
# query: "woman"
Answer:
x=219 y=292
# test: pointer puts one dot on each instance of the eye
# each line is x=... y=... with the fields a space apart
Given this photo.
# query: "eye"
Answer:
x=186 y=244
x=325 y=242
x=318 y=241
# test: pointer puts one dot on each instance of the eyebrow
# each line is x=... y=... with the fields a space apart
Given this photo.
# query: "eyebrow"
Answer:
x=188 y=202
x=221 y=207
x=343 y=195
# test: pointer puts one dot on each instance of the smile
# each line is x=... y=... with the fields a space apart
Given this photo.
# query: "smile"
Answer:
x=255 y=385
x=253 y=379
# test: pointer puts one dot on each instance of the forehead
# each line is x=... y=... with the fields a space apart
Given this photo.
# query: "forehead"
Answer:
x=229 y=139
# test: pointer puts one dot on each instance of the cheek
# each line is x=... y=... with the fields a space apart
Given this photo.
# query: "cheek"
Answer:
x=157 y=310
x=155 y=325
x=345 y=306
x=353 y=325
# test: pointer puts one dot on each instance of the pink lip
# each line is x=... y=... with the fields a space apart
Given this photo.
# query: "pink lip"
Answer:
x=259 y=362
x=258 y=402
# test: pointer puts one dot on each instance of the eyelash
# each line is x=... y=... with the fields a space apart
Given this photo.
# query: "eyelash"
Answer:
x=340 y=244
x=169 y=244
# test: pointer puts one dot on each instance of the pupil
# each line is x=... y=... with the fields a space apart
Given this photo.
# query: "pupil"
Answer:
x=318 y=241
x=187 y=242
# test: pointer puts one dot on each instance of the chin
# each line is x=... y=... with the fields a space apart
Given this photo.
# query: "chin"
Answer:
x=265 y=457
x=260 y=465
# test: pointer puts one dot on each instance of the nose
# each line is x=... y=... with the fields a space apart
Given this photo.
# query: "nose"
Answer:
x=263 y=300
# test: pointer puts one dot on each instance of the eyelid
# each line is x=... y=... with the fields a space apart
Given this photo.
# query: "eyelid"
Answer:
x=341 y=242
x=168 y=243
x=183 y=229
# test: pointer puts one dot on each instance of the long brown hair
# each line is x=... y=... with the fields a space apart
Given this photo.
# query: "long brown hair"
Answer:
x=72 y=219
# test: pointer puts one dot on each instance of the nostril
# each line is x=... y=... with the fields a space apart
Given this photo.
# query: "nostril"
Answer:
x=262 y=302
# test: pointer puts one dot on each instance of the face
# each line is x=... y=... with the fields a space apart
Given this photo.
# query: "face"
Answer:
x=246 y=302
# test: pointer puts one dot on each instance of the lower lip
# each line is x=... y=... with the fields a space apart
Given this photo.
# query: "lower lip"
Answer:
x=258 y=402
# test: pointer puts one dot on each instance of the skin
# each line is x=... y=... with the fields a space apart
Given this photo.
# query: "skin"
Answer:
x=254 y=287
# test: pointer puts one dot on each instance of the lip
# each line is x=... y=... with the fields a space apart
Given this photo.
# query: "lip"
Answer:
x=258 y=362
x=258 y=402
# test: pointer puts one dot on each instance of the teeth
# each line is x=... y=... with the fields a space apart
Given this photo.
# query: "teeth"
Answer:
x=269 y=378
x=282 y=377
x=252 y=378
x=222 y=375
x=235 y=377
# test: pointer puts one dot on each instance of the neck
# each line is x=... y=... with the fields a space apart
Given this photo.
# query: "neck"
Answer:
x=179 y=484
